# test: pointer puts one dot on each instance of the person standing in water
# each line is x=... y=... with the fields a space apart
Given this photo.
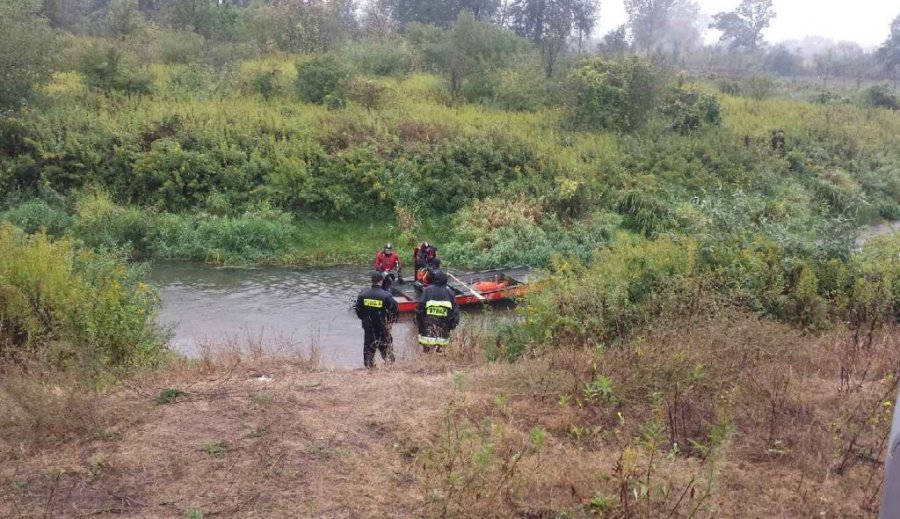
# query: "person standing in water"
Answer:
x=377 y=310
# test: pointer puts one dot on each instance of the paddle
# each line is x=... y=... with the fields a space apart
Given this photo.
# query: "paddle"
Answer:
x=474 y=293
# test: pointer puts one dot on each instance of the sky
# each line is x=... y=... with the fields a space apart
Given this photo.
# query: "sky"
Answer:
x=866 y=22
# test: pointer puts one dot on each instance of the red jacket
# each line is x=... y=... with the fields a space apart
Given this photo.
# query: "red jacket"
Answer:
x=383 y=262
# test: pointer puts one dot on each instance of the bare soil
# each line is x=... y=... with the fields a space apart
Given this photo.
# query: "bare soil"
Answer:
x=456 y=437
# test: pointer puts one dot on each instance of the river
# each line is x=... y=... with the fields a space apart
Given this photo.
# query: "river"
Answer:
x=282 y=309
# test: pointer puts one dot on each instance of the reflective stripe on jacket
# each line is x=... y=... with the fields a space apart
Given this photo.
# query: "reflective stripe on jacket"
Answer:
x=436 y=314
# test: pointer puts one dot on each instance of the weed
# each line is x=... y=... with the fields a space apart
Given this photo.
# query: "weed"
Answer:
x=215 y=448
x=169 y=396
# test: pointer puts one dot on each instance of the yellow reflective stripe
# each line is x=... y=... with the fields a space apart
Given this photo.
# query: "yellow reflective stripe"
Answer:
x=446 y=304
x=373 y=303
x=433 y=341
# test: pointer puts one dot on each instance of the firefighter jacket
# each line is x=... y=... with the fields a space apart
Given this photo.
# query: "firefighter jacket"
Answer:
x=437 y=313
x=376 y=308
x=385 y=263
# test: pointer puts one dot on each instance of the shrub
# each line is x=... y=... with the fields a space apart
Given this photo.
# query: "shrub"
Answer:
x=105 y=67
x=760 y=87
x=881 y=96
x=65 y=305
x=179 y=47
x=100 y=223
x=255 y=237
x=688 y=109
x=391 y=57
x=366 y=92
x=37 y=215
x=626 y=286
x=610 y=95
x=321 y=77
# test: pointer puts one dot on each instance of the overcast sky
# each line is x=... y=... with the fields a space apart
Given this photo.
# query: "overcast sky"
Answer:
x=866 y=22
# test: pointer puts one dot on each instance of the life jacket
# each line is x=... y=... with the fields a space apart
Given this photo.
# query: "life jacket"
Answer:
x=383 y=262
x=489 y=286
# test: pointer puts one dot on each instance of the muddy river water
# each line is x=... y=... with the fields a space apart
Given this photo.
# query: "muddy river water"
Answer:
x=284 y=310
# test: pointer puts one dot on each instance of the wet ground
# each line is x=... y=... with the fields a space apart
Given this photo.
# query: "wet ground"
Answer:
x=284 y=310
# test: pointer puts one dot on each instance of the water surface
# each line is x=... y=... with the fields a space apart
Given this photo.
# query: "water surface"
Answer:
x=282 y=309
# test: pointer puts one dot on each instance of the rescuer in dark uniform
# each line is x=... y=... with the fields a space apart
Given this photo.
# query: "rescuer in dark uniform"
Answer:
x=377 y=309
x=436 y=314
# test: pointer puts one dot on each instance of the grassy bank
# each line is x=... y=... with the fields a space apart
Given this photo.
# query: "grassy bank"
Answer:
x=724 y=415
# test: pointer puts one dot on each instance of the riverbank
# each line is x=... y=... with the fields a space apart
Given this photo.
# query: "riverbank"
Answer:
x=572 y=432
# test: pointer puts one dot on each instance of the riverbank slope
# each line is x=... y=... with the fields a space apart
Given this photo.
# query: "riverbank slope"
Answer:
x=571 y=433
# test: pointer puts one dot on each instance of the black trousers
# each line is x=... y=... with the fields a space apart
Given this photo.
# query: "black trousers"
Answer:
x=377 y=339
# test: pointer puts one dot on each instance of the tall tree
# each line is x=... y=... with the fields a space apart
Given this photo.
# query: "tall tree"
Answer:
x=123 y=18
x=742 y=28
x=550 y=24
x=889 y=52
x=614 y=43
x=647 y=20
x=27 y=47
x=442 y=13
x=468 y=47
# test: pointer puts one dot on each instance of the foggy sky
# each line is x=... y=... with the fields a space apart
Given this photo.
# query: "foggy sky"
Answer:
x=866 y=22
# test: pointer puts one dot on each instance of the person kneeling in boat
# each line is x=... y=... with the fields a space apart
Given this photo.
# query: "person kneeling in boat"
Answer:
x=430 y=272
x=388 y=262
x=423 y=256
x=377 y=309
x=437 y=314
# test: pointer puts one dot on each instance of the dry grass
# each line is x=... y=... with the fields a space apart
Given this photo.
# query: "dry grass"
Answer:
x=767 y=422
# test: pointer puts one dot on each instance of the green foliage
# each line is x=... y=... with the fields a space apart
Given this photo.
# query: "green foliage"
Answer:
x=881 y=96
x=215 y=448
x=107 y=68
x=179 y=47
x=169 y=395
x=36 y=215
x=626 y=286
x=469 y=49
x=73 y=307
x=321 y=77
x=390 y=57
x=101 y=224
x=366 y=92
x=610 y=95
x=27 y=49
x=689 y=109
x=255 y=237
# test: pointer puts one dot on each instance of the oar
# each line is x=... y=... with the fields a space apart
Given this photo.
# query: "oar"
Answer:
x=474 y=293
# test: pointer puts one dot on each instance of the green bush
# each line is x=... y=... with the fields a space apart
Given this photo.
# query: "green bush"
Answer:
x=688 y=109
x=36 y=215
x=626 y=286
x=321 y=77
x=881 y=96
x=391 y=57
x=101 y=224
x=179 y=47
x=74 y=308
x=256 y=237
x=610 y=95
x=107 y=68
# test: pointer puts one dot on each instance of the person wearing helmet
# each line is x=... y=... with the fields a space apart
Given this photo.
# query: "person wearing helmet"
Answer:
x=437 y=314
x=377 y=309
x=423 y=256
x=432 y=271
x=388 y=263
